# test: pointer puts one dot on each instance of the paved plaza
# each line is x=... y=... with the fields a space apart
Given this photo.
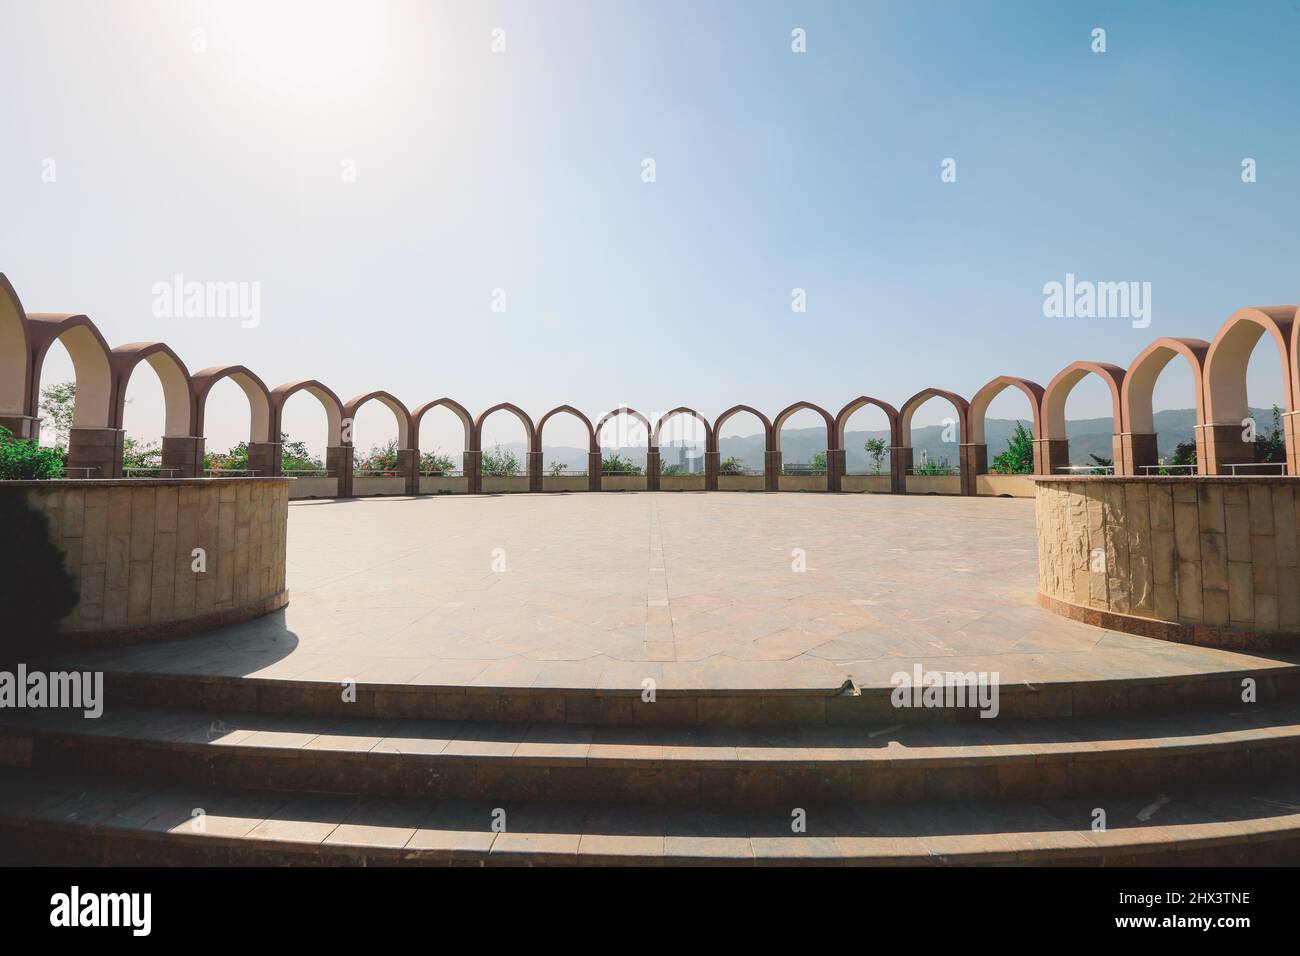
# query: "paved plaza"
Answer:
x=743 y=591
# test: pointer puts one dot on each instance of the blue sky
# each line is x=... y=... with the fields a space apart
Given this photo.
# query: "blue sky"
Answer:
x=522 y=171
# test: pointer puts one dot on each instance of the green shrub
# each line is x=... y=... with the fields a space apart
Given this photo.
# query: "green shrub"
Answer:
x=25 y=460
x=1018 y=459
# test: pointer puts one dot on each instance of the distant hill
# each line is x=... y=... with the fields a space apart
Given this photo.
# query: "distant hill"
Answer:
x=1088 y=436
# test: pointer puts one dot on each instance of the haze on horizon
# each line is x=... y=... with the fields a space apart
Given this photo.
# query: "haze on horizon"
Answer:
x=380 y=173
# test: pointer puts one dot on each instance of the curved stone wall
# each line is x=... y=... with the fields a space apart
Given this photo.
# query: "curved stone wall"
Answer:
x=130 y=548
x=103 y=374
x=1194 y=560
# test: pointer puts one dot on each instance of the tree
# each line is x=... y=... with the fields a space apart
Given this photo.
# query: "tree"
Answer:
x=1018 y=459
x=434 y=463
x=818 y=463
x=295 y=456
x=57 y=403
x=1271 y=446
x=672 y=470
x=140 y=456
x=381 y=458
x=500 y=463
x=557 y=469
x=875 y=449
x=1104 y=463
x=616 y=464
x=732 y=466
x=25 y=460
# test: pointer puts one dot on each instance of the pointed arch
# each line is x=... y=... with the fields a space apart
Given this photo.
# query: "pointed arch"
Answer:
x=630 y=413
x=862 y=401
x=451 y=404
x=393 y=404
x=1059 y=388
x=784 y=415
x=259 y=398
x=592 y=446
x=979 y=405
x=736 y=410
x=959 y=404
x=178 y=395
x=333 y=407
x=1229 y=354
x=683 y=410
x=15 y=356
x=1140 y=380
x=93 y=407
x=515 y=410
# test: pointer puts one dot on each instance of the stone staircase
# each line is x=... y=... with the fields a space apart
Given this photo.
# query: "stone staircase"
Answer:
x=234 y=770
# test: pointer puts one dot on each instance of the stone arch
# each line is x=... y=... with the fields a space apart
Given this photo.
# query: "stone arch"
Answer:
x=905 y=455
x=94 y=443
x=776 y=461
x=975 y=450
x=16 y=413
x=785 y=413
x=734 y=410
x=592 y=446
x=1138 y=434
x=683 y=410
x=840 y=453
x=454 y=406
x=259 y=399
x=90 y=362
x=710 y=457
x=1226 y=401
x=533 y=468
x=178 y=395
x=329 y=401
x=630 y=413
x=393 y=404
x=1054 y=444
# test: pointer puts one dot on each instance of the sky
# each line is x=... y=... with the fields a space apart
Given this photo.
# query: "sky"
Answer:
x=387 y=175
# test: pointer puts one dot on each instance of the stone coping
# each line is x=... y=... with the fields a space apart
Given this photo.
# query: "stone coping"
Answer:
x=127 y=482
x=1155 y=479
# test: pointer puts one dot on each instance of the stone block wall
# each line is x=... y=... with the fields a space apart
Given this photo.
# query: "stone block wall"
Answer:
x=1205 y=556
x=129 y=546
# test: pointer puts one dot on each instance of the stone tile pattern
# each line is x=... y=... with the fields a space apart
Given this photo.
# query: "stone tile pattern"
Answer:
x=128 y=545
x=1206 y=554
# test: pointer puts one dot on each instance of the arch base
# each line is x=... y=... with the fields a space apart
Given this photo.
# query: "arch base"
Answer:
x=95 y=452
x=900 y=463
x=264 y=459
x=22 y=426
x=184 y=455
x=1136 y=449
x=1224 y=447
x=408 y=466
x=338 y=461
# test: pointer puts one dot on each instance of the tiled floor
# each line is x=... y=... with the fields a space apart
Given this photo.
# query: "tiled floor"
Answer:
x=693 y=590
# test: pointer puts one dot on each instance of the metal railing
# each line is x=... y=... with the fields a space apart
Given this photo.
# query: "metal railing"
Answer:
x=218 y=472
x=150 y=472
x=1085 y=469
x=1165 y=469
x=1279 y=465
x=308 y=473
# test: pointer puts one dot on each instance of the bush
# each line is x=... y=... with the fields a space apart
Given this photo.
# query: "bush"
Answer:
x=36 y=590
x=1018 y=459
x=25 y=460
x=616 y=464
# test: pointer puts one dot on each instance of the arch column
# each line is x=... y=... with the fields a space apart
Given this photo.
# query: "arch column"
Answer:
x=339 y=460
x=473 y=469
x=652 y=469
x=900 y=463
x=712 y=465
x=534 y=471
x=972 y=460
x=836 y=465
x=95 y=452
x=593 y=470
x=772 y=470
x=264 y=458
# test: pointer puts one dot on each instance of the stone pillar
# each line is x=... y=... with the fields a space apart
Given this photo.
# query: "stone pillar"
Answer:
x=338 y=461
x=22 y=426
x=473 y=469
x=900 y=463
x=183 y=453
x=772 y=470
x=593 y=471
x=836 y=465
x=712 y=464
x=408 y=466
x=1050 y=454
x=264 y=459
x=1291 y=428
x=1135 y=450
x=652 y=470
x=97 y=449
x=534 y=471
x=973 y=460
x=1224 y=446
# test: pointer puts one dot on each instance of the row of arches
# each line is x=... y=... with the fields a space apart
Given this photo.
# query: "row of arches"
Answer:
x=1218 y=370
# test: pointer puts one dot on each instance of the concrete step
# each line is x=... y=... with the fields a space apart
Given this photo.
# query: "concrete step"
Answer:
x=894 y=763
x=57 y=818
x=1273 y=679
